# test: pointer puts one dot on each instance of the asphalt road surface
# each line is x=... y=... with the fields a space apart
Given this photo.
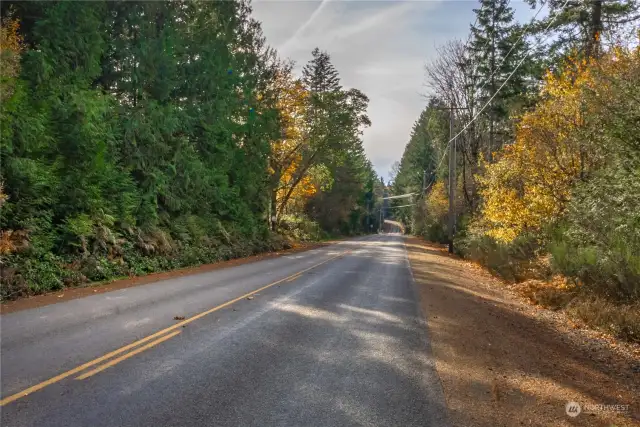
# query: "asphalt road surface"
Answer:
x=328 y=337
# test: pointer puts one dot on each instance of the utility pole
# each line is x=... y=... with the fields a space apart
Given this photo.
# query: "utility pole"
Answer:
x=424 y=182
x=452 y=173
x=452 y=181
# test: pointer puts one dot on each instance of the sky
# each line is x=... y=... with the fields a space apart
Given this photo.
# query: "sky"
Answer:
x=377 y=46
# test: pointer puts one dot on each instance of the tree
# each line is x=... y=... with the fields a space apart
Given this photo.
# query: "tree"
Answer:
x=393 y=172
x=558 y=145
x=333 y=121
x=342 y=208
x=158 y=134
x=496 y=48
x=417 y=168
x=319 y=75
x=10 y=50
x=286 y=151
x=581 y=24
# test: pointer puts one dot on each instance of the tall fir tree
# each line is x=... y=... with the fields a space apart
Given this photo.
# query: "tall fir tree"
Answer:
x=496 y=48
x=319 y=74
x=333 y=122
x=581 y=24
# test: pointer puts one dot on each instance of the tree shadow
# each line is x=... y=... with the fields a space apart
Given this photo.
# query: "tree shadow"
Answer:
x=505 y=358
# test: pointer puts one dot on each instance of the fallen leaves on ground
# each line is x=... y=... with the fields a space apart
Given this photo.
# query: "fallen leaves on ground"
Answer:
x=505 y=362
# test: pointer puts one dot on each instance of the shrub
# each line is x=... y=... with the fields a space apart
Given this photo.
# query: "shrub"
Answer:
x=138 y=254
x=300 y=228
x=599 y=242
x=515 y=261
x=621 y=320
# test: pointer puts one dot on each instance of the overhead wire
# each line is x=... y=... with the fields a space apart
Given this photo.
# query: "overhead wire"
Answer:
x=475 y=117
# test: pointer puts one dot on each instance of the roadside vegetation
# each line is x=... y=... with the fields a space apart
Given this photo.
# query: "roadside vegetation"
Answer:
x=144 y=136
x=548 y=175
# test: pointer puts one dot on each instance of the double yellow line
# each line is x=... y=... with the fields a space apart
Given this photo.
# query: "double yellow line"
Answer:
x=151 y=340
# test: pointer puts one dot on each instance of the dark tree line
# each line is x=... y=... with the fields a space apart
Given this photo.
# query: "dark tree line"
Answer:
x=137 y=136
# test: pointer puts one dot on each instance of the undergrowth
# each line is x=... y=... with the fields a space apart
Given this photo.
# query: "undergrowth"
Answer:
x=29 y=273
x=580 y=282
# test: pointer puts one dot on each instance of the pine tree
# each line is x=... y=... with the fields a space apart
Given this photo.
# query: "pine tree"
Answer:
x=495 y=51
x=319 y=74
x=580 y=24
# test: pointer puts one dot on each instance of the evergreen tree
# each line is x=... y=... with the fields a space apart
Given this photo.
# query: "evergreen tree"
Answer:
x=334 y=118
x=136 y=136
x=496 y=48
x=417 y=168
x=319 y=74
x=580 y=24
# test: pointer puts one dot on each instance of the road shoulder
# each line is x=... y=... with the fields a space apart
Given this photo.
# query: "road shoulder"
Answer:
x=503 y=362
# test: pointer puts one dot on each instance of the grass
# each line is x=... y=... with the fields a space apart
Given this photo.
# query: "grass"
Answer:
x=621 y=320
x=536 y=276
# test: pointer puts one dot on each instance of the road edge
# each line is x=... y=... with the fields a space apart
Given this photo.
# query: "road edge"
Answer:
x=93 y=288
x=423 y=324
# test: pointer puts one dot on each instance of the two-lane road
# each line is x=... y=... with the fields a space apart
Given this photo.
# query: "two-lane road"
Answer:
x=328 y=337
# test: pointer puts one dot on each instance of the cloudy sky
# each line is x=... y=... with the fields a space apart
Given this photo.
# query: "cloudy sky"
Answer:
x=379 y=47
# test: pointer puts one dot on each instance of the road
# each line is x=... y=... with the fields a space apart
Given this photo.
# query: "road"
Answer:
x=329 y=337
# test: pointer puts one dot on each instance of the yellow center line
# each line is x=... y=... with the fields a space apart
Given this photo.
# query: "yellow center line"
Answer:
x=127 y=347
x=126 y=356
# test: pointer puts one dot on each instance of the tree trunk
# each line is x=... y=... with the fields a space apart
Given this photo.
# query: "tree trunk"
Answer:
x=593 y=45
x=273 y=202
x=295 y=183
x=274 y=207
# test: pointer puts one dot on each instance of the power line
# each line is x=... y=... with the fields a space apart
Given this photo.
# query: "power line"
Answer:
x=401 y=206
x=398 y=196
x=513 y=46
x=475 y=117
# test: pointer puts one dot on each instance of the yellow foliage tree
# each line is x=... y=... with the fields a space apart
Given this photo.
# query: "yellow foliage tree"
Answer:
x=10 y=49
x=437 y=202
x=302 y=190
x=292 y=181
x=556 y=145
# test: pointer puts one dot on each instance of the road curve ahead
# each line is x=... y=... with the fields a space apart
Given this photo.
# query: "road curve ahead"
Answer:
x=328 y=337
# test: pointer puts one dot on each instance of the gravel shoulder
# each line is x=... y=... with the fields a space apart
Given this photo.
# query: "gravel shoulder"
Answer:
x=505 y=362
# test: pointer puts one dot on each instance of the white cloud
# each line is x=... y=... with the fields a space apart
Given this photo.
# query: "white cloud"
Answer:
x=379 y=47
x=358 y=26
x=300 y=31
